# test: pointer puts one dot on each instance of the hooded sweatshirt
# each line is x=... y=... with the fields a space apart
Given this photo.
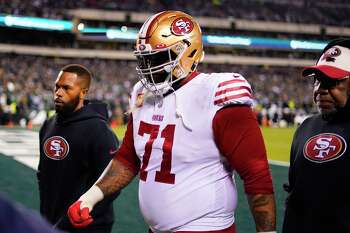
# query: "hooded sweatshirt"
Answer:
x=74 y=151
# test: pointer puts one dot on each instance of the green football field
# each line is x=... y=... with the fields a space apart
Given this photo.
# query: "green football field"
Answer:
x=19 y=183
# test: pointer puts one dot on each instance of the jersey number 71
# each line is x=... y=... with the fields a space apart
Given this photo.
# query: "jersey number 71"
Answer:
x=164 y=175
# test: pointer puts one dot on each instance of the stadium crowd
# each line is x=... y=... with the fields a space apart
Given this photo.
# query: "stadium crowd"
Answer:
x=300 y=11
x=26 y=88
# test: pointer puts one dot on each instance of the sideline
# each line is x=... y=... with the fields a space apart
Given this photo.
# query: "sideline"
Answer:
x=20 y=144
x=279 y=163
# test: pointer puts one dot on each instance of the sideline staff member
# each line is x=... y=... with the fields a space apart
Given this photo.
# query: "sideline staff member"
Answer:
x=76 y=145
x=320 y=158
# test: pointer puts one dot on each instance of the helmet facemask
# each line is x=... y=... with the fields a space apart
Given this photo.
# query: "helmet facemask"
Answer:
x=158 y=69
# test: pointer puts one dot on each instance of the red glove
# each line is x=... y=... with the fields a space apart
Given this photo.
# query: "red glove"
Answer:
x=79 y=218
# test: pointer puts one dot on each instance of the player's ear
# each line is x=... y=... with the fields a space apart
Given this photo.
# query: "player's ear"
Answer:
x=83 y=93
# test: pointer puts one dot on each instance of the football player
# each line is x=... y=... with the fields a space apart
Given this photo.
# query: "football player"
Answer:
x=186 y=134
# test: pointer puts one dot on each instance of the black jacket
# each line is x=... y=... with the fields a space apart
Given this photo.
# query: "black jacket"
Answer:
x=74 y=151
x=319 y=177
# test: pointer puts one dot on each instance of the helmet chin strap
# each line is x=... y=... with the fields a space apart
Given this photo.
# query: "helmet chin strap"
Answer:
x=178 y=112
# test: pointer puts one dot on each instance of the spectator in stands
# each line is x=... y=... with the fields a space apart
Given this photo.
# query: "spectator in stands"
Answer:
x=31 y=78
x=303 y=11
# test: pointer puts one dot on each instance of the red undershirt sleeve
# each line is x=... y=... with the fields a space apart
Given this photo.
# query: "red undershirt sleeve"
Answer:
x=126 y=153
x=239 y=139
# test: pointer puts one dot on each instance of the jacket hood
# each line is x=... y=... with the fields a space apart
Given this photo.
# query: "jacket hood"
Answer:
x=91 y=109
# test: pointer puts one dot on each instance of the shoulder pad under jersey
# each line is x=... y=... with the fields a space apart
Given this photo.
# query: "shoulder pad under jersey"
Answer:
x=136 y=98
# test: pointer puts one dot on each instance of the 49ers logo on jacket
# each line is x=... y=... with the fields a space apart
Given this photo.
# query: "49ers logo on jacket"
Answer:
x=56 y=148
x=324 y=147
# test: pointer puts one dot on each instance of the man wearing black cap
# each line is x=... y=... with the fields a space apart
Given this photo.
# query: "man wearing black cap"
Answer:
x=319 y=172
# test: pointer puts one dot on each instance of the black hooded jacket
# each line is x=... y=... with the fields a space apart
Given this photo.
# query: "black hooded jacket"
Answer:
x=318 y=199
x=74 y=151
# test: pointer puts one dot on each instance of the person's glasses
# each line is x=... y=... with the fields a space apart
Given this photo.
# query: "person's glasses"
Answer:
x=326 y=82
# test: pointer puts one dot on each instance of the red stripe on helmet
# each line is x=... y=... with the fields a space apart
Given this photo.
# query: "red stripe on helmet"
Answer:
x=151 y=25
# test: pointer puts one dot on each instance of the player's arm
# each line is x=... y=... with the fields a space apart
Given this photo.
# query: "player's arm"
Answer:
x=263 y=210
x=102 y=150
x=116 y=178
x=239 y=139
x=118 y=174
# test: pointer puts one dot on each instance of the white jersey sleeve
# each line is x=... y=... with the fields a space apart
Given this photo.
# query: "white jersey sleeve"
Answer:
x=231 y=89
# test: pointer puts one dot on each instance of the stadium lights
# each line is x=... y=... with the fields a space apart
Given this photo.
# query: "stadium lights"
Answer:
x=36 y=23
x=121 y=34
x=129 y=34
x=296 y=44
x=81 y=26
x=227 y=40
x=94 y=30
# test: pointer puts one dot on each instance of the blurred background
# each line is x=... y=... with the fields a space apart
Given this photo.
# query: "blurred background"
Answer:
x=267 y=41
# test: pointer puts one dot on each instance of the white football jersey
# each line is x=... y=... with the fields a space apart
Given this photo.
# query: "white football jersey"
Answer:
x=184 y=185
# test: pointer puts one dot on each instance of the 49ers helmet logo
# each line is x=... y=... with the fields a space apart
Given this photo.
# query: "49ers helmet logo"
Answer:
x=324 y=147
x=56 y=148
x=330 y=54
x=182 y=26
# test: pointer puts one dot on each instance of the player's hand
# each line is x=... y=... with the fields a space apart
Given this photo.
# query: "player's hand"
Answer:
x=79 y=212
x=79 y=216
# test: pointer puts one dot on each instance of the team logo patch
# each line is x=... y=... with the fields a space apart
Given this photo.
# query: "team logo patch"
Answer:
x=181 y=26
x=142 y=47
x=56 y=148
x=331 y=53
x=324 y=147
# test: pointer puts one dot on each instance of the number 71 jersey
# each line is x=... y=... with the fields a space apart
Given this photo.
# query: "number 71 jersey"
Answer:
x=184 y=185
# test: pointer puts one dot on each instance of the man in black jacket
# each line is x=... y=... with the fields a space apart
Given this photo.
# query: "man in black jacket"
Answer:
x=76 y=145
x=319 y=174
